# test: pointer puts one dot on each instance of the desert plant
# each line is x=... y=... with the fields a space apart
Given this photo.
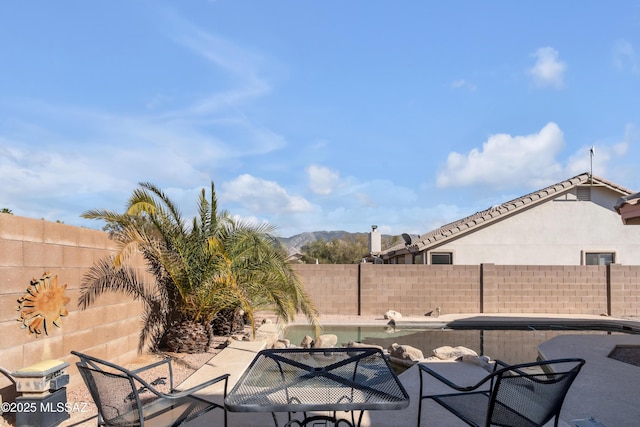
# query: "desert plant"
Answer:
x=216 y=263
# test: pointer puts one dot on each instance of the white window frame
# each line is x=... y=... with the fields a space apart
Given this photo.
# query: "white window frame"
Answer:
x=600 y=253
x=432 y=253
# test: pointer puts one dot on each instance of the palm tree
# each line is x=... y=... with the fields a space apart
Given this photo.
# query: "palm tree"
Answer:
x=214 y=265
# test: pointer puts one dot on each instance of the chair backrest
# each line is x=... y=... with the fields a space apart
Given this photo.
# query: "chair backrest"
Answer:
x=115 y=395
x=118 y=393
x=531 y=394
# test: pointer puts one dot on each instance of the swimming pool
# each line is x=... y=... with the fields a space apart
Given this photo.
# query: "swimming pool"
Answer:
x=509 y=345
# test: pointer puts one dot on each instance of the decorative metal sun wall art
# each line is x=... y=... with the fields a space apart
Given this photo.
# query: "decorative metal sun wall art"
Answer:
x=43 y=304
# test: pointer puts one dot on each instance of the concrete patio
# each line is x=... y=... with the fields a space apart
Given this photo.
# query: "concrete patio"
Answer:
x=606 y=389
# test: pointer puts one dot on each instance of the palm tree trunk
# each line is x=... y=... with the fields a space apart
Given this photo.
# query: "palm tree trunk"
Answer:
x=227 y=322
x=188 y=336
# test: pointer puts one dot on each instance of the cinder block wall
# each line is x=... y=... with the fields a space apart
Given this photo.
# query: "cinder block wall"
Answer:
x=333 y=288
x=372 y=289
x=580 y=289
x=29 y=248
x=419 y=289
x=625 y=290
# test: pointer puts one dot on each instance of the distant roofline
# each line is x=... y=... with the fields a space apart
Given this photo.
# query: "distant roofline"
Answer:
x=492 y=214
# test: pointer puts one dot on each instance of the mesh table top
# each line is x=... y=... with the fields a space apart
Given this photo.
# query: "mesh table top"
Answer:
x=335 y=379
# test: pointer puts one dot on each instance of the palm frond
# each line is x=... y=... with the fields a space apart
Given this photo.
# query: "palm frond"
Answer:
x=216 y=262
x=175 y=214
x=104 y=277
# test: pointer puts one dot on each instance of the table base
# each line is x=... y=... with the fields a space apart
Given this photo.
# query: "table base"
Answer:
x=321 y=421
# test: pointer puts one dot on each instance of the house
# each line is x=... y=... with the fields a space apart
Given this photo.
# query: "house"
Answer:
x=629 y=209
x=573 y=222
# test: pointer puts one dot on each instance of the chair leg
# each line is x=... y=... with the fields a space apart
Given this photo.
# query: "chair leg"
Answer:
x=420 y=399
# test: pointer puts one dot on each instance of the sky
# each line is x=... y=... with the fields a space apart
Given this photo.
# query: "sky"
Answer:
x=314 y=115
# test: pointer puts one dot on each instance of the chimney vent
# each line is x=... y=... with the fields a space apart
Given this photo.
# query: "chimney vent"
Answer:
x=375 y=241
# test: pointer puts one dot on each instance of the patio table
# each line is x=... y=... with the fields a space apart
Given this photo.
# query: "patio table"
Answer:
x=325 y=380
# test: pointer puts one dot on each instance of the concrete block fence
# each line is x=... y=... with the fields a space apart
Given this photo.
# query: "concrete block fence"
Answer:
x=29 y=248
x=370 y=289
x=109 y=329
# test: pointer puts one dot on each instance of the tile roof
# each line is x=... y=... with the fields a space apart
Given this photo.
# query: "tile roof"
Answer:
x=632 y=199
x=493 y=213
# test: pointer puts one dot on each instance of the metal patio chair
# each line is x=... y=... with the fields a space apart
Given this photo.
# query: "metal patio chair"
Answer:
x=523 y=395
x=125 y=398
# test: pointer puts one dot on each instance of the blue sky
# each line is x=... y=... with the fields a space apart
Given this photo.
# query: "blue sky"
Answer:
x=314 y=115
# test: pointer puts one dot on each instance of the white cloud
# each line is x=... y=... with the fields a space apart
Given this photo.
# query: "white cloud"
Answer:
x=463 y=84
x=322 y=180
x=262 y=196
x=548 y=71
x=243 y=67
x=580 y=161
x=625 y=57
x=26 y=171
x=505 y=159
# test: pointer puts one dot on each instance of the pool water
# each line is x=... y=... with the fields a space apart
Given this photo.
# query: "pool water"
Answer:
x=510 y=345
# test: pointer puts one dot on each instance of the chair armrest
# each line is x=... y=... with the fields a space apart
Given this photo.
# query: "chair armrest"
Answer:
x=153 y=365
x=451 y=384
x=166 y=361
x=189 y=391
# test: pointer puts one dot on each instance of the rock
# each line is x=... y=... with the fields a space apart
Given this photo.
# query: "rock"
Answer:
x=434 y=313
x=268 y=332
x=354 y=344
x=482 y=361
x=283 y=343
x=405 y=352
x=452 y=353
x=307 y=342
x=326 y=341
x=402 y=362
x=392 y=315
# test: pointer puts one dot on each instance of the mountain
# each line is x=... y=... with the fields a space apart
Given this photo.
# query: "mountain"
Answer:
x=295 y=243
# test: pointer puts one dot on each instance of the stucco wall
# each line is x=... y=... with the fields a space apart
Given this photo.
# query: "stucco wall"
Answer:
x=29 y=248
x=553 y=233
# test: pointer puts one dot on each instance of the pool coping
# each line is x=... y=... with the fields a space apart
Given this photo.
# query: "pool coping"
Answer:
x=493 y=320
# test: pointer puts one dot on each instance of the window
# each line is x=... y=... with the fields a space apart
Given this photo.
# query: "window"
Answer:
x=441 y=258
x=599 y=258
x=418 y=258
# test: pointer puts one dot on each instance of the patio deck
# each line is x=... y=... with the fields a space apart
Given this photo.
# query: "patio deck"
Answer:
x=606 y=389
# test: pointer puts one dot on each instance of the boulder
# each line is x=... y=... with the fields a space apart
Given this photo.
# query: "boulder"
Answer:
x=282 y=343
x=354 y=344
x=405 y=352
x=307 y=342
x=482 y=361
x=326 y=341
x=268 y=332
x=452 y=353
x=392 y=315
